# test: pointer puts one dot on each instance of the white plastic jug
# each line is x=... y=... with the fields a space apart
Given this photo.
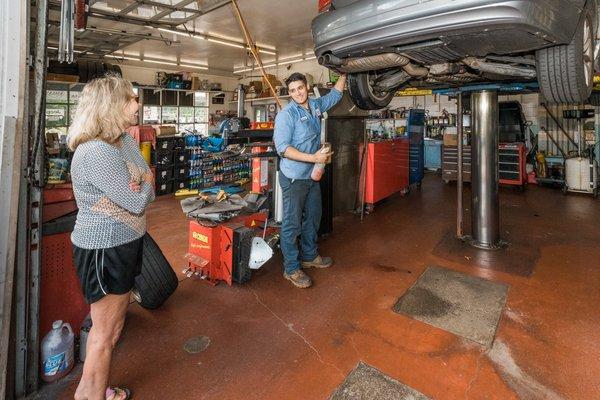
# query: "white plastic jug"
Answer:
x=58 y=348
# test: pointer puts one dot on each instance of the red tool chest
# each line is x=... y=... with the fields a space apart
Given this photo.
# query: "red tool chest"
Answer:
x=511 y=164
x=387 y=169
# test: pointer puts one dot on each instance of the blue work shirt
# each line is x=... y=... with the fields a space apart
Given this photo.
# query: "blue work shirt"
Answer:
x=297 y=127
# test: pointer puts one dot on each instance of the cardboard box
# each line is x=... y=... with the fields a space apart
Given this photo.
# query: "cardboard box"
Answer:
x=450 y=139
x=62 y=78
x=272 y=79
x=165 y=130
x=255 y=87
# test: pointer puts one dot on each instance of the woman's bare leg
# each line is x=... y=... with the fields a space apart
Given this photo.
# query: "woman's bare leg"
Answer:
x=108 y=317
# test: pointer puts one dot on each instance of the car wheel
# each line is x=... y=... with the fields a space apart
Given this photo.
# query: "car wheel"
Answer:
x=363 y=94
x=157 y=280
x=566 y=72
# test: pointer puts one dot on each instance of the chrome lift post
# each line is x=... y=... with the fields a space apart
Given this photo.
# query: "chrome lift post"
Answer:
x=459 y=163
x=485 y=217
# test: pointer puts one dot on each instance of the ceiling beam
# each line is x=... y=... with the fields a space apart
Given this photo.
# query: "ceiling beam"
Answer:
x=183 y=3
x=129 y=8
x=109 y=16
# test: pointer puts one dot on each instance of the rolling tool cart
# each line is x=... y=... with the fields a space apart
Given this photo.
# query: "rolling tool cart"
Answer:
x=511 y=164
x=386 y=170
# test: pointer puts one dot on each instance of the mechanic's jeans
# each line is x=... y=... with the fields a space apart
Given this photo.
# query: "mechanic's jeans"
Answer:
x=301 y=217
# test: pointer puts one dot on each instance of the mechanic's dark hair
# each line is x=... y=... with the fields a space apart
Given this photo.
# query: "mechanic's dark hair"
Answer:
x=296 y=76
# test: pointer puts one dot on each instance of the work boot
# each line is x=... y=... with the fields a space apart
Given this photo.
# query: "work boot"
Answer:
x=318 y=262
x=299 y=279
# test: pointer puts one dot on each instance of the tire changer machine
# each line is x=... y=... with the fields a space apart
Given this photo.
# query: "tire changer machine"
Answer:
x=229 y=251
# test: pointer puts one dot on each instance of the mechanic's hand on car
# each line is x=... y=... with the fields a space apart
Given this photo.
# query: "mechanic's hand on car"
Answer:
x=323 y=155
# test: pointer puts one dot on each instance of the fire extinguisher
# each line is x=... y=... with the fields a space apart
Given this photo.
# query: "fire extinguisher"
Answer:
x=82 y=8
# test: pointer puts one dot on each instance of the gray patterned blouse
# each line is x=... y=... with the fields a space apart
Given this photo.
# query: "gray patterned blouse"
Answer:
x=110 y=213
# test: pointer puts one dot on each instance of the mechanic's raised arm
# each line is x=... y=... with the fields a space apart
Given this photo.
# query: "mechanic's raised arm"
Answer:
x=341 y=83
x=334 y=95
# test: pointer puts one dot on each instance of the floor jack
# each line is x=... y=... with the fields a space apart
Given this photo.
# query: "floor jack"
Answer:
x=229 y=251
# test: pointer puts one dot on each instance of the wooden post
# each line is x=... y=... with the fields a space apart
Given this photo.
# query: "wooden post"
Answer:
x=254 y=50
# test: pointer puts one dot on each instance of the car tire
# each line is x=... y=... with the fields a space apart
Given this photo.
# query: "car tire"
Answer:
x=563 y=75
x=241 y=270
x=594 y=99
x=157 y=281
x=363 y=95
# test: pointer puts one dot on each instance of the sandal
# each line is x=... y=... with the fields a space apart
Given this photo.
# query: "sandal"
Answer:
x=117 y=393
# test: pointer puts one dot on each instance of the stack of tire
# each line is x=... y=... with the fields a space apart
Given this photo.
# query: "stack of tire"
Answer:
x=86 y=70
x=171 y=161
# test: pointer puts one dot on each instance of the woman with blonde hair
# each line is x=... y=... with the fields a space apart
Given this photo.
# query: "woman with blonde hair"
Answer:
x=113 y=187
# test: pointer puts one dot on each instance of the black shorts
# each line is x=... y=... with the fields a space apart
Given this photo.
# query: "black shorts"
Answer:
x=108 y=271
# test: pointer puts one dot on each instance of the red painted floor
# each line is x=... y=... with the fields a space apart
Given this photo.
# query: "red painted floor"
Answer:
x=270 y=340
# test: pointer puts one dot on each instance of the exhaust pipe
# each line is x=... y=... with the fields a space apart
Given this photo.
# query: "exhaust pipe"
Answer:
x=500 y=69
x=330 y=60
x=373 y=63
x=370 y=63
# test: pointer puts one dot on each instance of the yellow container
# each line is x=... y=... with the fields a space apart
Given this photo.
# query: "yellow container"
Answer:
x=146 y=149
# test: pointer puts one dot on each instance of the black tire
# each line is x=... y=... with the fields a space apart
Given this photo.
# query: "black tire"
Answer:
x=363 y=95
x=594 y=99
x=158 y=280
x=241 y=269
x=561 y=70
x=117 y=70
x=82 y=67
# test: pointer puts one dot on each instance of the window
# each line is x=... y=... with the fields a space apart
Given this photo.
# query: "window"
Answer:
x=169 y=115
x=201 y=112
x=151 y=115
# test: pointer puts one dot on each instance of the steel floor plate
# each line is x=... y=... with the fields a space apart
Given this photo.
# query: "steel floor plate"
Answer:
x=467 y=306
x=367 y=383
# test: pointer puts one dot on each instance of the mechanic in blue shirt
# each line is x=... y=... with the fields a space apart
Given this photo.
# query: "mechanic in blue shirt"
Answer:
x=298 y=141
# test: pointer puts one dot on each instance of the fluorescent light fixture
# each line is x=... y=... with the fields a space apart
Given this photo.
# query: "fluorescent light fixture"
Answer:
x=299 y=55
x=239 y=46
x=199 y=36
x=266 y=51
x=275 y=64
x=56 y=48
x=291 y=61
x=172 y=31
x=193 y=66
x=184 y=65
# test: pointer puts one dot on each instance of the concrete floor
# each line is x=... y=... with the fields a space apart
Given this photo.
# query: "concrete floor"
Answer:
x=272 y=341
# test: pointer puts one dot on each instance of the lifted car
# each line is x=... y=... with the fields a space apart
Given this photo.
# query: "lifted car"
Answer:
x=385 y=45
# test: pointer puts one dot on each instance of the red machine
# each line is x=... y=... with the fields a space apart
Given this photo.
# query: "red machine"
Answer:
x=387 y=169
x=222 y=252
x=260 y=170
x=511 y=164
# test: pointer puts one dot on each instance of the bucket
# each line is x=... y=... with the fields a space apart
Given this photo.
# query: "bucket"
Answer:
x=146 y=149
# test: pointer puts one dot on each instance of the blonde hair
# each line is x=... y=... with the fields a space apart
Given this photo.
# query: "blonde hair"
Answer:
x=100 y=113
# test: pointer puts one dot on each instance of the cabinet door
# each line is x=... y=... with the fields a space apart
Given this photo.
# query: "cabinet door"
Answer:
x=383 y=180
